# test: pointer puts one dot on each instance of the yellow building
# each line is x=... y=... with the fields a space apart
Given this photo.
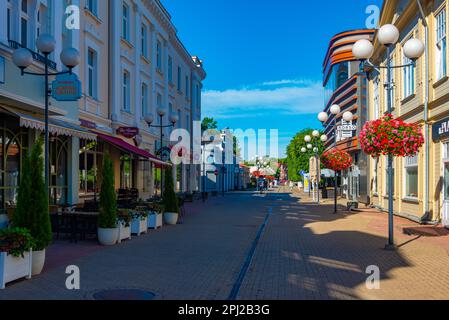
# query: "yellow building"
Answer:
x=420 y=95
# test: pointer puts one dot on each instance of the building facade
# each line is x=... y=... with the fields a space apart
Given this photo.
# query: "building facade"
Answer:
x=346 y=86
x=420 y=95
x=132 y=64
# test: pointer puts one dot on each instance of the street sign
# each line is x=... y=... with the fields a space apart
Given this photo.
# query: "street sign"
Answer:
x=66 y=87
x=440 y=130
x=302 y=172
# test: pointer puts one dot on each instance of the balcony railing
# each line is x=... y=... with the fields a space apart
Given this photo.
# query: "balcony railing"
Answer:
x=36 y=56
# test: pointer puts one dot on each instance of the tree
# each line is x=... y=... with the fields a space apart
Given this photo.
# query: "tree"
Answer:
x=170 y=199
x=296 y=160
x=32 y=210
x=108 y=199
x=209 y=124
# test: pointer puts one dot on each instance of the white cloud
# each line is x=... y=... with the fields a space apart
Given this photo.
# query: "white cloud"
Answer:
x=284 y=97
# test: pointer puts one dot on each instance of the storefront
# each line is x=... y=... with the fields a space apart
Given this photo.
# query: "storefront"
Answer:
x=441 y=136
x=18 y=131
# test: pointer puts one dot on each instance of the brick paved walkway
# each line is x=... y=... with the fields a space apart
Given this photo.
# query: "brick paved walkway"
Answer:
x=305 y=252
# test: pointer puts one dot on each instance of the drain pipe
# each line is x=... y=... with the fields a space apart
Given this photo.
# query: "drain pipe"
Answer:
x=425 y=217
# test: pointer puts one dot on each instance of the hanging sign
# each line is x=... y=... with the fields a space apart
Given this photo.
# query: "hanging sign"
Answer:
x=345 y=130
x=66 y=87
x=440 y=130
x=128 y=132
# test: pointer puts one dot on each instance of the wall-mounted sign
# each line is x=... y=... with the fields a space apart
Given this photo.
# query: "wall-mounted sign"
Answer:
x=345 y=130
x=2 y=70
x=440 y=130
x=88 y=124
x=128 y=132
x=66 y=87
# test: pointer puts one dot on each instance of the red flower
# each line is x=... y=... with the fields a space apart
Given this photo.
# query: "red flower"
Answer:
x=389 y=136
x=336 y=160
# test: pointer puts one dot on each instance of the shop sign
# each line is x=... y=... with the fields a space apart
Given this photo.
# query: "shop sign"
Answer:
x=164 y=153
x=2 y=70
x=440 y=130
x=128 y=132
x=345 y=130
x=66 y=87
x=88 y=124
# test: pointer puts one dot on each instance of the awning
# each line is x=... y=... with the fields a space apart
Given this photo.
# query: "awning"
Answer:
x=55 y=126
x=126 y=147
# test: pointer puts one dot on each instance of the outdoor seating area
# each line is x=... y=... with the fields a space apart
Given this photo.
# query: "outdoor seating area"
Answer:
x=80 y=222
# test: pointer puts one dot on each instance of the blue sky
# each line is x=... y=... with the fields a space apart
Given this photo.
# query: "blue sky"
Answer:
x=264 y=58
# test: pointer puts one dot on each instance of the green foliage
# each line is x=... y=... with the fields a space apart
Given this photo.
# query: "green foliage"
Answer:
x=32 y=211
x=170 y=200
x=108 y=198
x=209 y=124
x=296 y=160
x=16 y=241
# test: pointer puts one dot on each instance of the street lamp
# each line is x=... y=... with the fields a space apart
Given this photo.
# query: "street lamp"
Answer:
x=324 y=117
x=388 y=35
x=23 y=58
x=149 y=119
x=314 y=147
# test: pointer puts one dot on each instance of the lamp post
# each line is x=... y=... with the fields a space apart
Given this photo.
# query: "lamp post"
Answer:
x=23 y=58
x=388 y=36
x=261 y=164
x=314 y=147
x=348 y=116
x=149 y=119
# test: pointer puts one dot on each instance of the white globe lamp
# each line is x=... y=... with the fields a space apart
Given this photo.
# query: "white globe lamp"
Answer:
x=46 y=43
x=388 y=35
x=335 y=109
x=363 y=49
x=414 y=49
x=323 y=117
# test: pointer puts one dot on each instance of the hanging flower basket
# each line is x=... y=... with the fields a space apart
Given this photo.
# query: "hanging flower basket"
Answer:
x=390 y=136
x=336 y=160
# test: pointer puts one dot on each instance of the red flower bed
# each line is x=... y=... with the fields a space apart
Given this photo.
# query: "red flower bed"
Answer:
x=336 y=160
x=390 y=136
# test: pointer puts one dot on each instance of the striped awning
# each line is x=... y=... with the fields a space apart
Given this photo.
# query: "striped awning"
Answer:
x=56 y=126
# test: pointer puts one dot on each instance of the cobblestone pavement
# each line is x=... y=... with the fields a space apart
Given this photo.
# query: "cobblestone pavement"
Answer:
x=304 y=252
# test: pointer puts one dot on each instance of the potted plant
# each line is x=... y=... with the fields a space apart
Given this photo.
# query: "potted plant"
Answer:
x=171 y=209
x=139 y=222
x=124 y=223
x=155 y=220
x=32 y=212
x=15 y=255
x=108 y=232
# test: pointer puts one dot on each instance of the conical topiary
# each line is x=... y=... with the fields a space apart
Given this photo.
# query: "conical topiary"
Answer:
x=170 y=200
x=32 y=210
x=108 y=199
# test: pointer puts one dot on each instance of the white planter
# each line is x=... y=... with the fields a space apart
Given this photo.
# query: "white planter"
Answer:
x=12 y=268
x=155 y=221
x=4 y=221
x=171 y=218
x=38 y=261
x=124 y=232
x=139 y=226
x=108 y=237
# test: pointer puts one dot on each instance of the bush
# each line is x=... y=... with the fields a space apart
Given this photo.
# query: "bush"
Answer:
x=16 y=241
x=108 y=199
x=170 y=200
x=32 y=211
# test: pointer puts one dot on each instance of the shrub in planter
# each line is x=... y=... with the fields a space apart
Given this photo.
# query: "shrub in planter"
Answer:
x=124 y=220
x=107 y=219
x=139 y=222
x=390 y=136
x=15 y=255
x=170 y=202
x=155 y=219
x=32 y=212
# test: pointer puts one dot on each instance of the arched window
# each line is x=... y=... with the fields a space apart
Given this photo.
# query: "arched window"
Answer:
x=58 y=170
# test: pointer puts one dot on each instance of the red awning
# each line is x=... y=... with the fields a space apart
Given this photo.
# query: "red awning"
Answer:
x=125 y=146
